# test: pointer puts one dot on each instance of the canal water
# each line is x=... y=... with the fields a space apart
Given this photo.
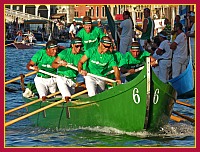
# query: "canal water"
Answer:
x=23 y=134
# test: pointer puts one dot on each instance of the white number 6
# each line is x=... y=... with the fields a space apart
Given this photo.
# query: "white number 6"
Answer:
x=136 y=97
x=156 y=97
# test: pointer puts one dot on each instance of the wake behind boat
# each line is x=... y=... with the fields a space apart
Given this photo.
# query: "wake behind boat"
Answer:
x=143 y=103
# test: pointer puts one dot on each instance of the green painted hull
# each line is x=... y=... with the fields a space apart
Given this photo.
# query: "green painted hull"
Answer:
x=122 y=107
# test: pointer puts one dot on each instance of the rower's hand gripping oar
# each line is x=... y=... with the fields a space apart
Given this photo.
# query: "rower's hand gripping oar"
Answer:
x=93 y=75
x=42 y=109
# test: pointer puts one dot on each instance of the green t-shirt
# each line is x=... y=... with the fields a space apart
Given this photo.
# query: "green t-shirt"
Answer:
x=98 y=64
x=44 y=62
x=129 y=62
x=147 y=35
x=90 y=39
x=118 y=56
x=167 y=29
x=70 y=58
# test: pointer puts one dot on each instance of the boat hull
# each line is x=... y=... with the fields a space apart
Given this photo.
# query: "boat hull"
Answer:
x=123 y=107
x=184 y=83
x=23 y=46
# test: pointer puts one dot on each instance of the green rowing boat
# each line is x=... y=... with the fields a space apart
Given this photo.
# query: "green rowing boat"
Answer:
x=143 y=103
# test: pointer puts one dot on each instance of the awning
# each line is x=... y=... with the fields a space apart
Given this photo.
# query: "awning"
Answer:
x=58 y=15
x=35 y=21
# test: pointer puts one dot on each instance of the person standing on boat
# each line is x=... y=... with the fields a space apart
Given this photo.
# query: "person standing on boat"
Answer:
x=126 y=31
x=72 y=30
x=42 y=60
x=133 y=59
x=101 y=26
x=67 y=76
x=99 y=60
x=191 y=35
x=173 y=32
x=148 y=28
x=167 y=28
x=30 y=36
x=90 y=35
x=164 y=54
x=180 y=53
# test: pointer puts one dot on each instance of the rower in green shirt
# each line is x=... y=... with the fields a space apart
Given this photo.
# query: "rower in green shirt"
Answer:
x=99 y=60
x=90 y=35
x=66 y=81
x=133 y=59
x=42 y=60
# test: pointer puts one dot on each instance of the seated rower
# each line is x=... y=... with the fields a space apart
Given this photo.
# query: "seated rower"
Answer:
x=133 y=59
x=42 y=60
x=118 y=57
x=99 y=60
x=66 y=81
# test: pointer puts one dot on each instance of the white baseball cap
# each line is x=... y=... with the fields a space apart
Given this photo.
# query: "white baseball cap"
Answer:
x=99 y=20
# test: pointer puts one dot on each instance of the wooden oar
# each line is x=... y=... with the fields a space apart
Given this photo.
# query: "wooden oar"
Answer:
x=9 y=44
x=177 y=119
x=93 y=75
x=18 y=78
x=39 y=44
x=126 y=74
x=184 y=116
x=185 y=104
x=136 y=70
x=42 y=109
x=30 y=103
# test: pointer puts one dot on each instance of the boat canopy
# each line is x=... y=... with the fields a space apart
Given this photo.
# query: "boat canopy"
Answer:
x=35 y=21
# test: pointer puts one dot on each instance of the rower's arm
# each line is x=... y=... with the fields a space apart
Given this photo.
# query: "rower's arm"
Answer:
x=58 y=62
x=32 y=64
x=173 y=46
x=80 y=65
x=117 y=74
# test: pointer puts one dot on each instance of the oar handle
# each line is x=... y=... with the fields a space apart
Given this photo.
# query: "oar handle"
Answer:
x=30 y=103
x=18 y=78
x=45 y=72
x=90 y=74
x=136 y=70
x=41 y=109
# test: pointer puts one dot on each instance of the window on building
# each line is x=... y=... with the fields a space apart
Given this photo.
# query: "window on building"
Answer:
x=75 y=14
x=88 y=13
x=103 y=12
x=115 y=10
x=119 y=10
x=97 y=12
x=92 y=12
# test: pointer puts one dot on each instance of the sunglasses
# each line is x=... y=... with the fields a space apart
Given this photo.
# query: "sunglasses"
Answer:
x=106 y=46
x=77 y=46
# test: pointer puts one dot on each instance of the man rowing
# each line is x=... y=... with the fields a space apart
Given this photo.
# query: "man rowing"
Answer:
x=67 y=76
x=99 y=60
x=90 y=35
x=42 y=60
x=133 y=59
